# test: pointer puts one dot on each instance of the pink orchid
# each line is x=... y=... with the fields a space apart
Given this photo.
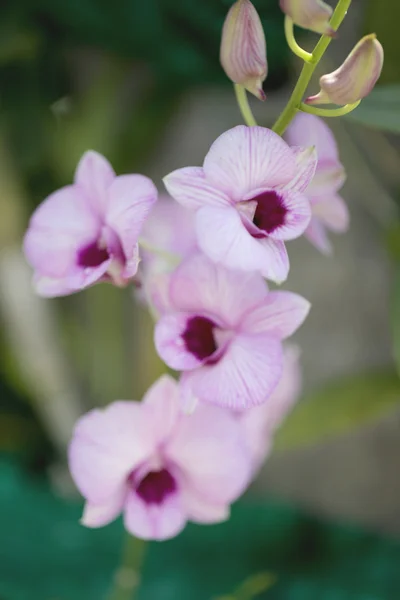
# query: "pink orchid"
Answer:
x=157 y=466
x=88 y=231
x=329 y=210
x=248 y=198
x=169 y=236
x=261 y=422
x=224 y=330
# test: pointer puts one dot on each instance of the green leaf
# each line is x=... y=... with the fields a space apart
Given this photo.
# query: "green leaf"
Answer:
x=380 y=109
x=337 y=409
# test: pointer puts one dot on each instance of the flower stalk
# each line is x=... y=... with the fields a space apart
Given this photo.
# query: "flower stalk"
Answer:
x=244 y=106
x=292 y=43
x=128 y=575
x=329 y=112
x=295 y=101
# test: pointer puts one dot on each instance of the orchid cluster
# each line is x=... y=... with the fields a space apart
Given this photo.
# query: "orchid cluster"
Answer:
x=199 y=258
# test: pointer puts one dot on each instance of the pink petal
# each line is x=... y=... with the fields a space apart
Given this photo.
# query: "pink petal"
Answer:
x=169 y=227
x=130 y=198
x=201 y=510
x=106 y=446
x=306 y=163
x=170 y=345
x=59 y=227
x=279 y=315
x=247 y=158
x=310 y=130
x=296 y=219
x=223 y=238
x=94 y=175
x=333 y=212
x=156 y=290
x=208 y=448
x=244 y=377
x=316 y=234
x=198 y=285
x=98 y=515
x=191 y=189
x=260 y=422
x=163 y=398
x=154 y=521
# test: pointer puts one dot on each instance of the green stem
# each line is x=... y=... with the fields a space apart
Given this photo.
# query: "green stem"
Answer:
x=291 y=40
x=127 y=576
x=308 y=69
x=329 y=112
x=241 y=97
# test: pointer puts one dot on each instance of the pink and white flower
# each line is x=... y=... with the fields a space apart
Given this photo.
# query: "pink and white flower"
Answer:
x=156 y=466
x=261 y=422
x=88 y=231
x=329 y=210
x=224 y=330
x=248 y=198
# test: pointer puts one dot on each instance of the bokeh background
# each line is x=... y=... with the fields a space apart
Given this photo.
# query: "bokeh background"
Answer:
x=140 y=81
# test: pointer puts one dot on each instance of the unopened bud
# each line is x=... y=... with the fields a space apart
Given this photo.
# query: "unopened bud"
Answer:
x=309 y=14
x=243 y=49
x=355 y=78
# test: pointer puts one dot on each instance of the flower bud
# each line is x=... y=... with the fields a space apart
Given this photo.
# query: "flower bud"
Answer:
x=243 y=49
x=309 y=14
x=355 y=78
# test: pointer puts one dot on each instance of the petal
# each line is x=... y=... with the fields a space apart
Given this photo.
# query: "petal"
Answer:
x=156 y=289
x=130 y=198
x=208 y=448
x=306 y=163
x=200 y=510
x=333 y=212
x=97 y=515
x=106 y=446
x=170 y=345
x=279 y=315
x=223 y=238
x=94 y=175
x=200 y=285
x=247 y=158
x=244 y=377
x=163 y=397
x=154 y=521
x=191 y=189
x=297 y=217
x=260 y=422
x=59 y=227
x=169 y=227
x=310 y=130
x=317 y=235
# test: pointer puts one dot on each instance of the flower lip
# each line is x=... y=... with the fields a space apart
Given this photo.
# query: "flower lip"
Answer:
x=270 y=212
x=155 y=486
x=92 y=255
x=199 y=337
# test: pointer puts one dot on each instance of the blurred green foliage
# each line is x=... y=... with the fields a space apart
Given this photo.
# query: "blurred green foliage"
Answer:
x=339 y=408
x=45 y=554
x=381 y=109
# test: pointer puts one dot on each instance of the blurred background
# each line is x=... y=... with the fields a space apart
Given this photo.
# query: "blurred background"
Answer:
x=140 y=81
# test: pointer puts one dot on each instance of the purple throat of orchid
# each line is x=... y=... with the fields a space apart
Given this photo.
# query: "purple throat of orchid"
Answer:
x=270 y=212
x=92 y=255
x=155 y=487
x=199 y=338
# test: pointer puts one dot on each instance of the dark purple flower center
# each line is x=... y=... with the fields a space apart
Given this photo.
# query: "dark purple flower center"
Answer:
x=270 y=212
x=199 y=337
x=156 y=486
x=92 y=255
